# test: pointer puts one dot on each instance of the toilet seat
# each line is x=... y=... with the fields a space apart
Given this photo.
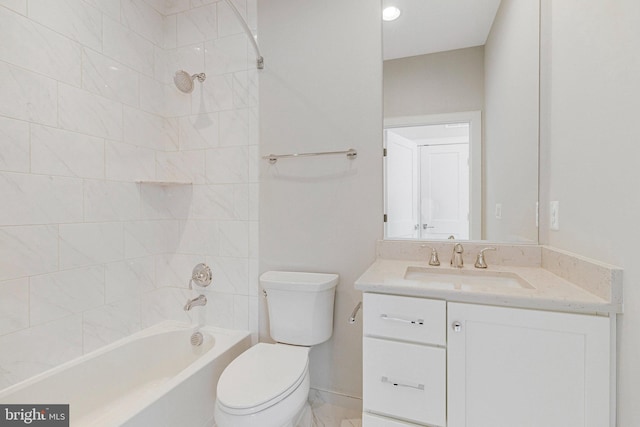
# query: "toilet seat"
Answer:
x=261 y=377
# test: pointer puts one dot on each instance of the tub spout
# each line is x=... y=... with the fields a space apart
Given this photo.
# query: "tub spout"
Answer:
x=201 y=300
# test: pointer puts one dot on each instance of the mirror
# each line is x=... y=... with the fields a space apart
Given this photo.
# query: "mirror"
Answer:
x=461 y=104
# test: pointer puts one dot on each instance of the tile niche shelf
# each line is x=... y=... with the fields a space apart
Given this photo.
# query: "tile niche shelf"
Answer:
x=164 y=183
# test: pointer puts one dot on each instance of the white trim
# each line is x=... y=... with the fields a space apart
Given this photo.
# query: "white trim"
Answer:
x=475 y=158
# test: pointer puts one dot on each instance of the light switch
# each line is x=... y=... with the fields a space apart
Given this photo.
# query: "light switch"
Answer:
x=498 y=210
x=555 y=215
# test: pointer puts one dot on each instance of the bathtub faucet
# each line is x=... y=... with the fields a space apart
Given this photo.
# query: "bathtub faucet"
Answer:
x=201 y=300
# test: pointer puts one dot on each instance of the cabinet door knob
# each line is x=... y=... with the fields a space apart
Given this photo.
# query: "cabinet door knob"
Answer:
x=456 y=326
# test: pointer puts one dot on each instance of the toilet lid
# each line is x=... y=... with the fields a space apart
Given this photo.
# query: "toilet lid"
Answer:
x=262 y=376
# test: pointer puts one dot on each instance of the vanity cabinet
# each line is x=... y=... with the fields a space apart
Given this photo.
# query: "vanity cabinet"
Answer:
x=436 y=363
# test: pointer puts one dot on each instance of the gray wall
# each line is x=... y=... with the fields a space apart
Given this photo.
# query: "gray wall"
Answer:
x=444 y=82
x=321 y=90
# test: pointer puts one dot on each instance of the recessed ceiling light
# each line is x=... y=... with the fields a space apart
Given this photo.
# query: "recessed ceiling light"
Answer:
x=390 y=13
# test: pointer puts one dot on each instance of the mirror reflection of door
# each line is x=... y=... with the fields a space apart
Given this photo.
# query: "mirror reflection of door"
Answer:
x=428 y=170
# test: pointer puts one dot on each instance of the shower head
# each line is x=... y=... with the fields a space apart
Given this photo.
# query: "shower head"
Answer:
x=184 y=80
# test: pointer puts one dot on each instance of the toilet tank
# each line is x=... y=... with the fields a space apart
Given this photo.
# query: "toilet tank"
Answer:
x=300 y=306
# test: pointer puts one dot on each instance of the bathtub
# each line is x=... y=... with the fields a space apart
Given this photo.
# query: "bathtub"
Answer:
x=152 y=378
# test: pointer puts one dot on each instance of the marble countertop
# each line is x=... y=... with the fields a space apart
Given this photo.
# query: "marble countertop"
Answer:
x=549 y=292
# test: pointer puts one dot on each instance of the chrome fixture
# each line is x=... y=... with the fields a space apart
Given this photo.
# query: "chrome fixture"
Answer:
x=184 y=80
x=200 y=300
x=480 y=262
x=197 y=339
x=252 y=38
x=456 y=326
x=354 y=313
x=201 y=276
x=456 y=256
x=433 y=259
x=273 y=158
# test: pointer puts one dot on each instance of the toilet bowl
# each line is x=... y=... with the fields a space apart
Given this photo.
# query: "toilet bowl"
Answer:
x=268 y=385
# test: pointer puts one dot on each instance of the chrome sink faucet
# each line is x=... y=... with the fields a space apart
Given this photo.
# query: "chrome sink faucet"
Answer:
x=200 y=300
x=456 y=256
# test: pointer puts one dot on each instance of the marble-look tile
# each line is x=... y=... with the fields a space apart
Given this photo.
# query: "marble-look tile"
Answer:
x=145 y=129
x=213 y=202
x=241 y=201
x=59 y=152
x=14 y=305
x=25 y=95
x=107 y=77
x=230 y=275
x=174 y=270
x=35 y=47
x=197 y=25
x=241 y=312
x=200 y=131
x=177 y=104
x=254 y=163
x=215 y=94
x=152 y=96
x=78 y=244
x=241 y=86
x=254 y=326
x=198 y=3
x=188 y=58
x=165 y=304
x=227 y=54
x=234 y=127
x=14 y=145
x=28 y=250
x=19 y=6
x=198 y=237
x=39 y=199
x=145 y=238
x=227 y=22
x=219 y=310
x=228 y=165
x=174 y=6
x=129 y=278
x=57 y=295
x=254 y=277
x=170 y=31
x=126 y=46
x=111 y=201
x=85 y=112
x=254 y=126
x=31 y=351
x=166 y=201
x=74 y=18
x=111 y=8
x=253 y=239
x=181 y=166
x=234 y=238
x=252 y=14
x=254 y=202
x=125 y=162
x=140 y=17
x=109 y=323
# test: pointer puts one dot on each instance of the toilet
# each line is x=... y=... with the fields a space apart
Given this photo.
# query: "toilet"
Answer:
x=268 y=385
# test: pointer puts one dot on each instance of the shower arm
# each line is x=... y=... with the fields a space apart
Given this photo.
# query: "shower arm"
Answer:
x=259 y=59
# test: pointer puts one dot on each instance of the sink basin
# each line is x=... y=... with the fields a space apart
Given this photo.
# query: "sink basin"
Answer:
x=466 y=279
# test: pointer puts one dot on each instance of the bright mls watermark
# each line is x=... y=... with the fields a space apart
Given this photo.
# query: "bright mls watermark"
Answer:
x=34 y=415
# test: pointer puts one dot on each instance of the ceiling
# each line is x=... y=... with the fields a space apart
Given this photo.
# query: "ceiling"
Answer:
x=428 y=26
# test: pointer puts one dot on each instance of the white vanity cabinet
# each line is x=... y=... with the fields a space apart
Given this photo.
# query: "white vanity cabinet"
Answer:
x=436 y=363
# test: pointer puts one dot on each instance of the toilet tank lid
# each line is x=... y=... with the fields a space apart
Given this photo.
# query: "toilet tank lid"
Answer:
x=299 y=281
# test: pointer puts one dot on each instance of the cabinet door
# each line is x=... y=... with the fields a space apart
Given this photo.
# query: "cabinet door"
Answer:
x=526 y=368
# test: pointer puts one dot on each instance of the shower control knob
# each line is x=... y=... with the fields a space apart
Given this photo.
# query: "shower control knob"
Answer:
x=456 y=326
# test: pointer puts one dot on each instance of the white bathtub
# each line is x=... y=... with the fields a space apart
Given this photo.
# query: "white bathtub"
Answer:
x=152 y=378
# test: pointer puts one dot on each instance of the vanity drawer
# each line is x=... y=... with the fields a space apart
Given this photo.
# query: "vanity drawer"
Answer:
x=404 y=380
x=405 y=318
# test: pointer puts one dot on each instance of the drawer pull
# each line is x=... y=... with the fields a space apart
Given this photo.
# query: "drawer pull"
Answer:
x=400 y=384
x=397 y=319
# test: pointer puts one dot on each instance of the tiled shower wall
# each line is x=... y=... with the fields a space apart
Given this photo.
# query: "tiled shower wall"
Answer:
x=88 y=254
